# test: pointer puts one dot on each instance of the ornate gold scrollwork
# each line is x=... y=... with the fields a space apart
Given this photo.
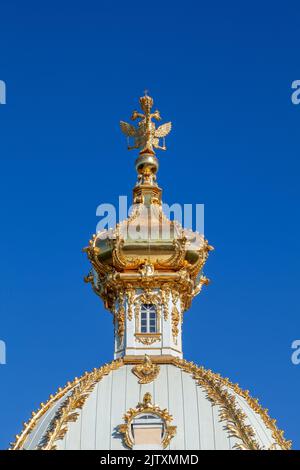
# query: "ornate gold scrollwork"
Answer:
x=148 y=338
x=175 y=315
x=130 y=294
x=147 y=407
x=147 y=371
x=68 y=412
x=216 y=388
x=121 y=317
x=165 y=296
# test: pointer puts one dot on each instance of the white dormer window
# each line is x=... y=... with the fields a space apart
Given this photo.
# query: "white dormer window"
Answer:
x=148 y=318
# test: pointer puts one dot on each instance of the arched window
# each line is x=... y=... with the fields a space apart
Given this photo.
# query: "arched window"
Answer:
x=148 y=318
x=147 y=431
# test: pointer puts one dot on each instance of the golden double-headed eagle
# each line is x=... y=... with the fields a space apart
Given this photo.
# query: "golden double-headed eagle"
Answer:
x=146 y=136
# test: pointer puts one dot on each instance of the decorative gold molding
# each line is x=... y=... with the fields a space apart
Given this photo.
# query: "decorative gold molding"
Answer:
x=165 y=297
x=81 y=387
x=175 y=315
x=68 y=412
x=148 y=338
x=121 y=317
x=130 y=294
x=36 y=415
x=147 y=371
x=147 y=407
x=215 y=386
x=277 y=434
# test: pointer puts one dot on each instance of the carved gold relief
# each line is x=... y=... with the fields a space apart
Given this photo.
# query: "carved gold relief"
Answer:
x=130 y=294
x=147 y=407
x=148 y=338
x=147 y=371
x=175 y=315
x=121 y=317
x=165 y=296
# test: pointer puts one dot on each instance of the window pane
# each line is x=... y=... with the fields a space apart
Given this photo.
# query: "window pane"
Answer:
x=148 y=318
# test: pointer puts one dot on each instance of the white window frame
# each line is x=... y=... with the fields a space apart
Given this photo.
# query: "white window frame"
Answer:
x=148 y=308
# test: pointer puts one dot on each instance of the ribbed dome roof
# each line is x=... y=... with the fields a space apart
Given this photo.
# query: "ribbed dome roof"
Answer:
x=207 y=411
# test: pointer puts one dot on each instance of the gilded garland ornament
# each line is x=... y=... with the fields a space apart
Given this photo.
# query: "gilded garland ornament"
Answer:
x=69 y=410
x=215 y=386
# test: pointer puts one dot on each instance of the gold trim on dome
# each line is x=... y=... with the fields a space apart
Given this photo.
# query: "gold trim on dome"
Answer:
x=147 y=407
x=215 y=386
x=190 y=367
x=213 y=383
x=147 y=371
x=58 y=427
x=36 y=415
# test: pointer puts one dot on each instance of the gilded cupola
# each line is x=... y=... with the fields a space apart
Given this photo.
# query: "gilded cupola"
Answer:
x=147 y=256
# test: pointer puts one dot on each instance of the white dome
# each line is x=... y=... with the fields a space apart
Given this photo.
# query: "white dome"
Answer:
x=208 y=411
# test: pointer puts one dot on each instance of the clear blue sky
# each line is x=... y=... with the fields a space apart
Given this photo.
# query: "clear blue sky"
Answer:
x=222 y=72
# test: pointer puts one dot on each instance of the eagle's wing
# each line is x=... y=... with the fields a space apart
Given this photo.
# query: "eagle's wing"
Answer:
x=128 y=129
x=163 y=130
